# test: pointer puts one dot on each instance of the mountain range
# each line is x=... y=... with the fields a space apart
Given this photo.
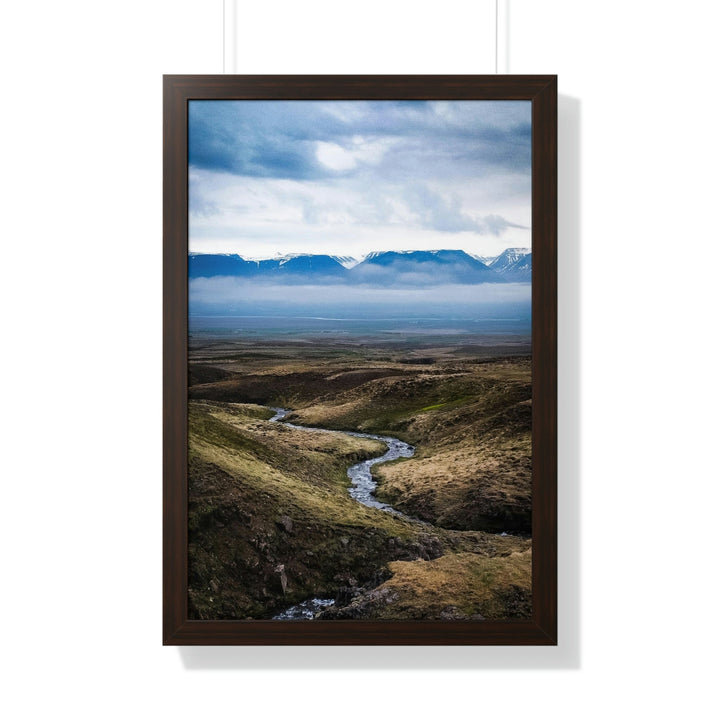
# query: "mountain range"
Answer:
x=385 y=268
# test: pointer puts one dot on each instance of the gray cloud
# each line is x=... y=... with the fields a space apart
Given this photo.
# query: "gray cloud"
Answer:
x=279 y=138
x=199 y=204
x=443 y=212
x=365 y=175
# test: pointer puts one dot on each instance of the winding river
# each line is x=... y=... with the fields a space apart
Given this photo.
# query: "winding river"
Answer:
x=362 y=489
x=362 y=483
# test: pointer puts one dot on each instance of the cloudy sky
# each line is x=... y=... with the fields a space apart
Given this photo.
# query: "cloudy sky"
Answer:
x=347 y=178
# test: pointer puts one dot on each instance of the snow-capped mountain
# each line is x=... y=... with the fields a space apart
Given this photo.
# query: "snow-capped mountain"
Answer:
x=514 y=264
x=301 y=264
x=507 y=257
x=282 y=259
x=295 y=264
x=429 y=266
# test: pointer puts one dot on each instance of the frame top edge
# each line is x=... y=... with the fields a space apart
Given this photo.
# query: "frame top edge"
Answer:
x=360 y=87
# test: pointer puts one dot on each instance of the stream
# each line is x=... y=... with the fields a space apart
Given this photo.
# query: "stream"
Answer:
x=363 y=486
x=362 y=489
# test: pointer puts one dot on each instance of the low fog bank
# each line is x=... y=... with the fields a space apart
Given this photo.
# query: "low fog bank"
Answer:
x=225 y=295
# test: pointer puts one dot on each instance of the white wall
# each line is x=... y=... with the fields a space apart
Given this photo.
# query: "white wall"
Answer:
x=81 y=372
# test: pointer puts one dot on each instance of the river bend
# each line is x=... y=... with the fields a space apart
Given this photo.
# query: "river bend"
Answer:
x=363 y=485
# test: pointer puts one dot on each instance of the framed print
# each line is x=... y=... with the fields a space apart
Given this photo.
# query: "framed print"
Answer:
x=360 y=360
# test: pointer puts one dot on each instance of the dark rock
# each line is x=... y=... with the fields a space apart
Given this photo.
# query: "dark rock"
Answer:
x=452 y=613
x=345 y=595
x=280 y=569
x=285 y=523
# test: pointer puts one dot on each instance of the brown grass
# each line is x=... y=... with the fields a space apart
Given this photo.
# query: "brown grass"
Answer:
x=471 y=425
x=464 y=586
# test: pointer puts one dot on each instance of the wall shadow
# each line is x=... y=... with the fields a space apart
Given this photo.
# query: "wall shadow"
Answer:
x=567 y=655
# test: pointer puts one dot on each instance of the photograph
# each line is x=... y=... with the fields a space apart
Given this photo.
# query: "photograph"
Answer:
x=359 y=354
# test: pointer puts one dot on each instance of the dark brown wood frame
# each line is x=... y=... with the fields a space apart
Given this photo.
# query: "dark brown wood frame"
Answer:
x=542 y=91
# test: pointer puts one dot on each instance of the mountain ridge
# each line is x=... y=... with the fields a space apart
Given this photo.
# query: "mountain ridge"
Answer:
x=383 y=268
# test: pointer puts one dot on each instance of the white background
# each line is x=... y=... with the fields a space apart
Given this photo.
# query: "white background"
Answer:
x=80 y=294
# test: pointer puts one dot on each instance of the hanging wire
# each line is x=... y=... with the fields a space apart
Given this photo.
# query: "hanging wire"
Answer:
x=496 y=36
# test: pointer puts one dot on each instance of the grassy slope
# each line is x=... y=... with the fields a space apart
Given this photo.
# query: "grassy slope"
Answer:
x=271 y=522
x=471 y=425
x=462 y=586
